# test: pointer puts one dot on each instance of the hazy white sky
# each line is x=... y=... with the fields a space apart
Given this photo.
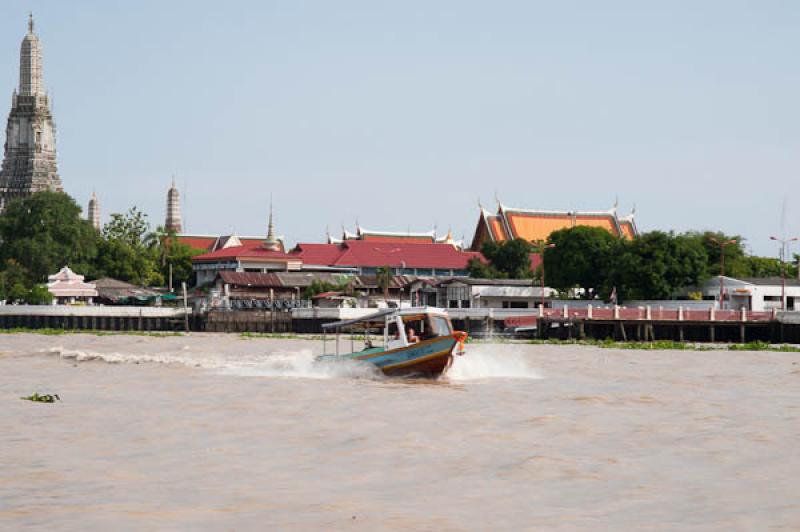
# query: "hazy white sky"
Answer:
x=403 y=114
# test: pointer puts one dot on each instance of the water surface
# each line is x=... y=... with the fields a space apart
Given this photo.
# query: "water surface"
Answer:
x=219 y=432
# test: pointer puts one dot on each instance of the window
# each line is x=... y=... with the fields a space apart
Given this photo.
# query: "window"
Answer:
x=515 y=304
x=441 y=327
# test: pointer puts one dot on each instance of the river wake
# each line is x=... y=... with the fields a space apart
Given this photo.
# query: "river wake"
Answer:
x=490 y=362
x=248 y=360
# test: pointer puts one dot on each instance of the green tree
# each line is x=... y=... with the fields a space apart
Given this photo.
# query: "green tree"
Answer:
x=318 y=287
x=173 y=256
x=131 y=228
x=509 y=259
x=765 y=267
x=580 y=258
x=38 y=295
x=480 y=270
x=656 y=265
x=129 y=251
x=735 y=263
x=44 y=232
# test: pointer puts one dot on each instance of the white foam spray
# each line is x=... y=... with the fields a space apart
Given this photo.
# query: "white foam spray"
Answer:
x=297 y=364
x=490 y=362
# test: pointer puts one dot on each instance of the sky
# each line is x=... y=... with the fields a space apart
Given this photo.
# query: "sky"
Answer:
x=404 y=115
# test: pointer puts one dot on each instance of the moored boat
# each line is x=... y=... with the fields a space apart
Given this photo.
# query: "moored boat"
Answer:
x=410 y=342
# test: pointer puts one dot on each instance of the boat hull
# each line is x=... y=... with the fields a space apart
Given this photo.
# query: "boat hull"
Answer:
x=428 y=358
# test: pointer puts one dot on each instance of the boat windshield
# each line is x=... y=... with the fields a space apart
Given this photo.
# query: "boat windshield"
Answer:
x=441 y=327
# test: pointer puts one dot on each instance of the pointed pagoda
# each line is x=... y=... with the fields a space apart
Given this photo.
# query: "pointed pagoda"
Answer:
x=93 y=211
x=173 y=223
x=29 y=157
x=272 y=242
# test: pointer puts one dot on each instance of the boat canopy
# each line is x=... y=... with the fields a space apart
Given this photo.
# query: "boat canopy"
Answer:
x=376 y=319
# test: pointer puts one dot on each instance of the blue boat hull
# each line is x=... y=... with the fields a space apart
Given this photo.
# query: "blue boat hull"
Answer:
x=428 y=358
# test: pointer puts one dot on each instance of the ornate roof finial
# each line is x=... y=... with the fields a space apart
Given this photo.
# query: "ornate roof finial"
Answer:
x=30 y=22
x=271 y=242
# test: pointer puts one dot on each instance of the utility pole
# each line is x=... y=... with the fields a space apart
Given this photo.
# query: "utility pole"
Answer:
x=782 y=257
x=540 y=247
x=722 y=245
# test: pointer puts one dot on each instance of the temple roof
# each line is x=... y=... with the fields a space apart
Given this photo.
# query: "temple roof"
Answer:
x=216 y=242
x=537 y=225
x=386 y=236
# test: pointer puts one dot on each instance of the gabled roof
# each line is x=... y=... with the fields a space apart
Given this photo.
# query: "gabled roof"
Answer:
x=216 y=242
x=389 y=236
x=537 y=225
x=245 y=252
x=67 y=283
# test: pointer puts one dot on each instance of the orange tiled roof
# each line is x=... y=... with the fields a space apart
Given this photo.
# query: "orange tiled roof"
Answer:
x=628 y=229
x=538 y=225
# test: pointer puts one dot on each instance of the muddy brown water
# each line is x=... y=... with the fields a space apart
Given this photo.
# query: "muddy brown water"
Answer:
x=223 y=433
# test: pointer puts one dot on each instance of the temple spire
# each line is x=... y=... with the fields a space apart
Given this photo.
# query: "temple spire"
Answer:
x=271 y=243
x=93 y=212
x=29 y=162
x=173 y=221
x=30 y=64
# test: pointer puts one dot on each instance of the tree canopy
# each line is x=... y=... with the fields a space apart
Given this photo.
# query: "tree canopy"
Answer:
x=581 y=258
x=655 y=265
x=44 y=232
x=506 y=260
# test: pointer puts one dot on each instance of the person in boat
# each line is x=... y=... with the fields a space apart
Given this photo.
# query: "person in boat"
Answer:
x=411 y=335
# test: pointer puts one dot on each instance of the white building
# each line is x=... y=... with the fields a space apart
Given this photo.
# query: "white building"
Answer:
x=758 y=294
x=68 y=287
x=465 y=292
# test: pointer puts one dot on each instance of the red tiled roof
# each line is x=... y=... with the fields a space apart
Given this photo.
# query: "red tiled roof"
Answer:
x=370 y=254
x=198 y=242
x=318 y=254
x=244 y=251
x=325 y=295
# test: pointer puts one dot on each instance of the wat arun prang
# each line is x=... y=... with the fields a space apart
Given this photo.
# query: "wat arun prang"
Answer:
x=29 y=162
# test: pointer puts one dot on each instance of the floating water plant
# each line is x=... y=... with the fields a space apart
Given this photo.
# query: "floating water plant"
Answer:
x=47 y=398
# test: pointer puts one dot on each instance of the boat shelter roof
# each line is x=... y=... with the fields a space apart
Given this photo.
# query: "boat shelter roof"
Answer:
x=377 y=319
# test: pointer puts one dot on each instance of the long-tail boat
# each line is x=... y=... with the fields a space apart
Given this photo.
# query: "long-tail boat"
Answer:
x=418 y=342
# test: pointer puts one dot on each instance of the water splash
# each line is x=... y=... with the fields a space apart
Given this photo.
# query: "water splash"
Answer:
x=490 y=362
x=294 y=364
